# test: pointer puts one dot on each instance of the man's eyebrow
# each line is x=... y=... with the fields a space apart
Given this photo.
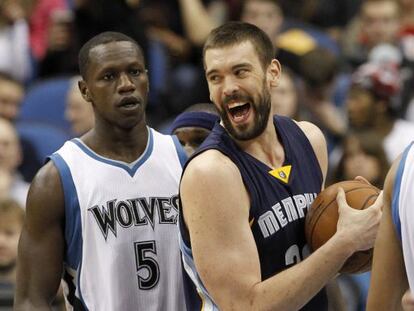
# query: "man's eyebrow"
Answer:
x=235 y=67
x=209 y=72
x=242 y=65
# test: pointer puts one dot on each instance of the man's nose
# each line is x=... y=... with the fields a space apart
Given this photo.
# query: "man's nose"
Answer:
x=230 y=86
x=125 y=83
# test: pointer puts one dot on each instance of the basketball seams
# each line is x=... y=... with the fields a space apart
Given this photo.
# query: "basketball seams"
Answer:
x=314 y=220
x=318 y=211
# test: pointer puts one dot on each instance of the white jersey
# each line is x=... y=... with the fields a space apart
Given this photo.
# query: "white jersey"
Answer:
x=403 y=209
x=121 y=234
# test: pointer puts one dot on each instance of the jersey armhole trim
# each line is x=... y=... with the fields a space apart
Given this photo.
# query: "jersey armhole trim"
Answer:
x=395 y=206
x=182 y=156
x=73 y=226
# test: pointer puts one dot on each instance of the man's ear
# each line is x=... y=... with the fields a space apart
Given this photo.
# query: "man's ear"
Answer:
x=84 y=91
x=274 y=72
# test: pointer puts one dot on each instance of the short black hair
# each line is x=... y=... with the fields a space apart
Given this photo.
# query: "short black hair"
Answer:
x=233 y=33
x=102 y=38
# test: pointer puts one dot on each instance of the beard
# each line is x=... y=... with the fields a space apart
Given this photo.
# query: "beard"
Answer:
x=261 y=111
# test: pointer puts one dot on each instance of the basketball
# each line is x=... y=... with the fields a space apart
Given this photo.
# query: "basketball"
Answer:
x=322 y=218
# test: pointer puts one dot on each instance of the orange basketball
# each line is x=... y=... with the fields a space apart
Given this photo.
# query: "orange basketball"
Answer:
x=322 y=218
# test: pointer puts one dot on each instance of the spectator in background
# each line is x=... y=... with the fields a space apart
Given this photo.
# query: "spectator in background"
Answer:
x=374 y=88
x=14 y=40
x=194 y=125
x=10 y=157
x=11 y=96
x=286 y=96
x=265 y=14
x=377 y=22
x=363 y=155
x=318 y=69
x=78 y=111
x=11 y=223
x=40 y=23
x=60 y=57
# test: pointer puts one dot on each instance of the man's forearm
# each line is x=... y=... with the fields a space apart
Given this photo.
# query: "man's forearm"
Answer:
x=294 y=287
x=196 y=20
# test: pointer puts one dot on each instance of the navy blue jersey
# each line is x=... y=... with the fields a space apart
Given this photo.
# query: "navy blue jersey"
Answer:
x=280 y=199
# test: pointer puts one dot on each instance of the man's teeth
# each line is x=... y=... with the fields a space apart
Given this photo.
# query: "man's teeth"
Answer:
x=234 y=105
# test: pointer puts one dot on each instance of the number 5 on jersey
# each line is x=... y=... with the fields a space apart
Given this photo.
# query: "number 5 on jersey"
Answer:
x=145 y=252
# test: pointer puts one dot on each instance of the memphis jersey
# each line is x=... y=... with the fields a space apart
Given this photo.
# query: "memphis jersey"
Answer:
x=403 y=211
x=120 y=231
x=280 y=199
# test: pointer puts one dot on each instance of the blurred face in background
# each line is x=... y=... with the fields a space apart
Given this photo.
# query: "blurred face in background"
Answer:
x=11 y=96
x=10 y=153
x=357 y=162
x=10 y=228
x=380 y=22
x=360 y=106
x=265 y=14
x=191 y=137
x=285 y=97
x=79 y=112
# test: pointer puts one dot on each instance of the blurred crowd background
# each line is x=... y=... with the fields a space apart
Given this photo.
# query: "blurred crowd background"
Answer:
x=348 y=66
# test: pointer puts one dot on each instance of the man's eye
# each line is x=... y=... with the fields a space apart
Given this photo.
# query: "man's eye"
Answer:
x=241 y=72
x=214 y=78
x=108 y=76
x=136 y=72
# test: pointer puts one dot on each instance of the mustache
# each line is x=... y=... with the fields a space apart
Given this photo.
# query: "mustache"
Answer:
x=236 y=97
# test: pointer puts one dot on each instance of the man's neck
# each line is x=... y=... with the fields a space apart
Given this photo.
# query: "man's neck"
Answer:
x=118 y=144
x=267 y=147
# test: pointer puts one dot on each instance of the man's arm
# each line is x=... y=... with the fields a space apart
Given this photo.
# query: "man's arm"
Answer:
x=40 y=256
x=216 y=209
x=196 y=20
x=388 y=277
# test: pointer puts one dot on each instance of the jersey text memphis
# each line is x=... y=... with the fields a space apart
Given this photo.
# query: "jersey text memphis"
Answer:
x=120 y=227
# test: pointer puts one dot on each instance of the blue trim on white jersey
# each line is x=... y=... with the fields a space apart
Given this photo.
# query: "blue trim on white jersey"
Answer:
x=182 y=156
x=189 y=266
x=79 y=287
x=73 y=226
x=395 y=208
x=130 y=168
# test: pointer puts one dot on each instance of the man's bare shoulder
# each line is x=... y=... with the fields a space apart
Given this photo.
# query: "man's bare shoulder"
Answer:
x=211 y=163
x=46 y=192
x=311 y=131
x=47 y=179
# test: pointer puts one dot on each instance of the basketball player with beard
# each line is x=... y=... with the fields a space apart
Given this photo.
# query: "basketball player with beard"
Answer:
x=245 y=193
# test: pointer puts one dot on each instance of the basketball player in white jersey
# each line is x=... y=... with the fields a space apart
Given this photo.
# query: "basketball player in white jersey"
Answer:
x=393 y=265
x=102 y=212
